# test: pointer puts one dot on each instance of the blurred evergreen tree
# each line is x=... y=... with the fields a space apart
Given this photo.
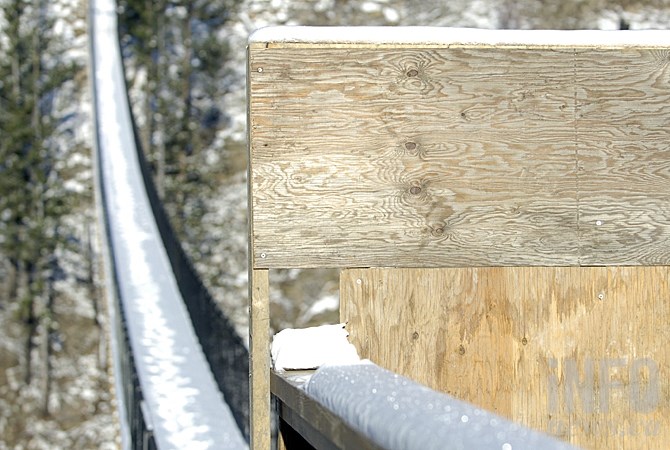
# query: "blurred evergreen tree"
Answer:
x=33 y=200
x=179 y=47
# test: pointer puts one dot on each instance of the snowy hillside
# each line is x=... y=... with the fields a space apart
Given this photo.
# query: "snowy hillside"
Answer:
x=69 y=401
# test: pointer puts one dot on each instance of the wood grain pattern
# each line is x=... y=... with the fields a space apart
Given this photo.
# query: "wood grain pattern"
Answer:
x=580 y=353
x=259 y=359
x=454 y=157
x=625 y=166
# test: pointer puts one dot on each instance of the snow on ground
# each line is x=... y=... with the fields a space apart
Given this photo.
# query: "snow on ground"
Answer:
x=70 y=24
x=80 y=403
x=321 y=306
x=646 y=19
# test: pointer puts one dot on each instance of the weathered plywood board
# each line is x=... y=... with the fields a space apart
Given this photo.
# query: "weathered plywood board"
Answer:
x=472 y=156
x=581 y=353
x=624 y=166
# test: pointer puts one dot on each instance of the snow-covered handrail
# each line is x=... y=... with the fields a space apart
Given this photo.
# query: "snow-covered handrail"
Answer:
x=353 y=404
x=302 y=418
x=362 y=405
x=181 y=401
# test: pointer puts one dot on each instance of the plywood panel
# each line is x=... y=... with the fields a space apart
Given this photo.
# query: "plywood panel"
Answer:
x=624 y=166
x=453 y=157
x=578 y=352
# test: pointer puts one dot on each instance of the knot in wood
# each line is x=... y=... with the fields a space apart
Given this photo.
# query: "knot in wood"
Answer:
x=410 y=145
x=415 y=190
x=412 y=73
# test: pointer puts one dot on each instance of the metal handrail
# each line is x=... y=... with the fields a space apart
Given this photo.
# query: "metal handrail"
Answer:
x=363 y=406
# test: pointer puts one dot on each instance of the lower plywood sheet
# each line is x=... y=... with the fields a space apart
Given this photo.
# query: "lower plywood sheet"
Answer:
x=579 y=352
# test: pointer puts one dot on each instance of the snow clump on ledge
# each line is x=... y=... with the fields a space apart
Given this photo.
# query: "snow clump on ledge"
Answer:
x=310 y=348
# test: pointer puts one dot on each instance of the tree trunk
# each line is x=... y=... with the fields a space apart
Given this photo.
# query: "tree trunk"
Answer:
x=159 y=155
x=36 y=60
x=48 y=321
x=186 y=138
x=46 y=348
x=95 y=300
x=28 y=320
x=10 y=284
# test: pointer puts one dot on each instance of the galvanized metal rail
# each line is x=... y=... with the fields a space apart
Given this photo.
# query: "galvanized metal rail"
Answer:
x=364 y=406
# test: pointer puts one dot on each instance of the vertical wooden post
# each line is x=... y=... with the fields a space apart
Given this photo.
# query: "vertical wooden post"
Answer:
x=259 y=354
x=259 y=324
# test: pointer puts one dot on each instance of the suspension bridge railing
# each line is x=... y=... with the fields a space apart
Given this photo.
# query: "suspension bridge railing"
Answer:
x=497 y=202
x=167 y=393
